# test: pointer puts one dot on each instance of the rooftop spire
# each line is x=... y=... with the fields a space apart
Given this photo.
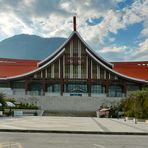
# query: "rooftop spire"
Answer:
x=74 y=23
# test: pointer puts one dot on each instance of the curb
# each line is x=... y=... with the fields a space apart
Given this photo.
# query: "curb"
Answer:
x=72 y=132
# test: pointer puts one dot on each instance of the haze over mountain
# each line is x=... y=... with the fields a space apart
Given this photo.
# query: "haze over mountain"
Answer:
x=26 y=46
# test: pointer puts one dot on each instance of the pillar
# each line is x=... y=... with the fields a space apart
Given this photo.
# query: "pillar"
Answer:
x=89 y=77
x=61 y=76
x=26 y=86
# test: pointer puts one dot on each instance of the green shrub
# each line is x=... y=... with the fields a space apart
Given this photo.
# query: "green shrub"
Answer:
x=135 y=105
x=26 y=106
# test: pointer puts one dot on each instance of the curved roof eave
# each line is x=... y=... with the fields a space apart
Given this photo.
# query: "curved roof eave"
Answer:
x=108 y=63
x=117 y=73
x=83 y=41
x=36 y=70
x=57 y=50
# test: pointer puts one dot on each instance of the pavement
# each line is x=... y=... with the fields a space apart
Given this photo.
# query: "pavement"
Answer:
x=82 y=125
x=56 y=140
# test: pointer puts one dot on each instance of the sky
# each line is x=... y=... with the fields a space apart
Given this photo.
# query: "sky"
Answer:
x=115 y=29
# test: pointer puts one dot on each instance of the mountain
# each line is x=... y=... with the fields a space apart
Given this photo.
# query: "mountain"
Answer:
x=25 y=46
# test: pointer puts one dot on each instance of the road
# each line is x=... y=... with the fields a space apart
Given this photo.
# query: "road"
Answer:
x=46 y=140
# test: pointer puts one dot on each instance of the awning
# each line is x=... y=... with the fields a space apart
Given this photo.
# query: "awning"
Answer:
x=104 y=109
x=10 y=104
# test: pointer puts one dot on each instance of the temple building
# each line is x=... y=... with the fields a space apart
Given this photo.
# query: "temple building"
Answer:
x=74 y=69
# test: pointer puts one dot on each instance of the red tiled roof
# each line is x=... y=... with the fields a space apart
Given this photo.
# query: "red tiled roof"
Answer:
x=13 y=67
x=133 y=69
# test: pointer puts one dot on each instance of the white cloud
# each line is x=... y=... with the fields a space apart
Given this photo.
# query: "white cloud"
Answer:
x=116 y=53
x=141 y=53
x=7 y=23
x=144 y=32
x=114 y=49
x=54 y=18
x=124 y=53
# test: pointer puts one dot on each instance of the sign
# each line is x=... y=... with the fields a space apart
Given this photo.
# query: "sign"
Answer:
x=75 y=60
x=74 y=94
x=18 y=113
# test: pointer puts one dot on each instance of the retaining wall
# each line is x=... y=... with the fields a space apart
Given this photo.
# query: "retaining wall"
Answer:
x=67 y=103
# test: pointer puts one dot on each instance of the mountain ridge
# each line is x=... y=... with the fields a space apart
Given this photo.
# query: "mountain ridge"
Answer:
x=24 y=46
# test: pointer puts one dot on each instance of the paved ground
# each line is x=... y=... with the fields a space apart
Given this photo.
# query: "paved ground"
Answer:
x=73 y=124
x=46 y=140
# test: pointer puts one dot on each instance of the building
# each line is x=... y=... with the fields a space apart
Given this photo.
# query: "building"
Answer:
x=74 y=69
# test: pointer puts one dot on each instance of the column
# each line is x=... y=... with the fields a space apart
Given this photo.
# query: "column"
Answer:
x=61 y=75
x=26 y=86
x=125 y=89
x=71 y=55
x=43 y=87
x=52 y=71
x=46 y=75
x=106 y=83
x=63 y=59
x=98 y=72
x=141 y=87
x=89 y=76
x=79 y=56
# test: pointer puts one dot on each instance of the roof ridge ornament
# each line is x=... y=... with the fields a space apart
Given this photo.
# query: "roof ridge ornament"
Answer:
x=74 y=23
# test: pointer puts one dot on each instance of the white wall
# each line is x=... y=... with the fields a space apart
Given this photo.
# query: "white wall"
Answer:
x=66 y=103
x=7 y=91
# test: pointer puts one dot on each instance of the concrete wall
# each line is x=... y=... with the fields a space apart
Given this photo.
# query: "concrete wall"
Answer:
x=7 y=91
x=66 y=103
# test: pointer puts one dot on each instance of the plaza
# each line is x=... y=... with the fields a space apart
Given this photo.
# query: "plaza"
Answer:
x=73 y=124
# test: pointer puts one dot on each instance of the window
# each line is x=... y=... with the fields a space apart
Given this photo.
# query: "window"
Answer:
x=75 y=88
x=4 y=85
x=35 y=87
x=132 y=87
x=115 y=91
x=53 y=88
x=18 y=85
x=97 y=88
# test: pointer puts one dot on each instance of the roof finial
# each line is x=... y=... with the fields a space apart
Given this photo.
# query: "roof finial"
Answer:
x=74 y=23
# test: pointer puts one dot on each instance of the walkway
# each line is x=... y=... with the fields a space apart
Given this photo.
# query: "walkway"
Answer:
x=81 y=124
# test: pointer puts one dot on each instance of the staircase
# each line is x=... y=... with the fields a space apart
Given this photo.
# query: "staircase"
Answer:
x=69 y=113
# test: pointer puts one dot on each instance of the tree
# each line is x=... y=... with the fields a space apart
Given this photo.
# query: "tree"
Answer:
x=2 y=99
x=136 y=104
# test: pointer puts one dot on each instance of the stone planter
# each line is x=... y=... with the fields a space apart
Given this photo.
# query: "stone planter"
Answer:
x=25 y=112
x=129 y=118
x=1 y=113
x=141 y=120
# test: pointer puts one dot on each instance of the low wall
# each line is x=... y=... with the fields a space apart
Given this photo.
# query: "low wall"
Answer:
x=66 y=103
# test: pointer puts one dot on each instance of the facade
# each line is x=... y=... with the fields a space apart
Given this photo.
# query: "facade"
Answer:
x=74 y=69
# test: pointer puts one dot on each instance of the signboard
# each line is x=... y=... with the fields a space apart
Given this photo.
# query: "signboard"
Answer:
x=75 y=60
x=75 y=94
x=18 y=113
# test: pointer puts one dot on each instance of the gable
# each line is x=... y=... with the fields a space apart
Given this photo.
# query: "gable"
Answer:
x=75 y=60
